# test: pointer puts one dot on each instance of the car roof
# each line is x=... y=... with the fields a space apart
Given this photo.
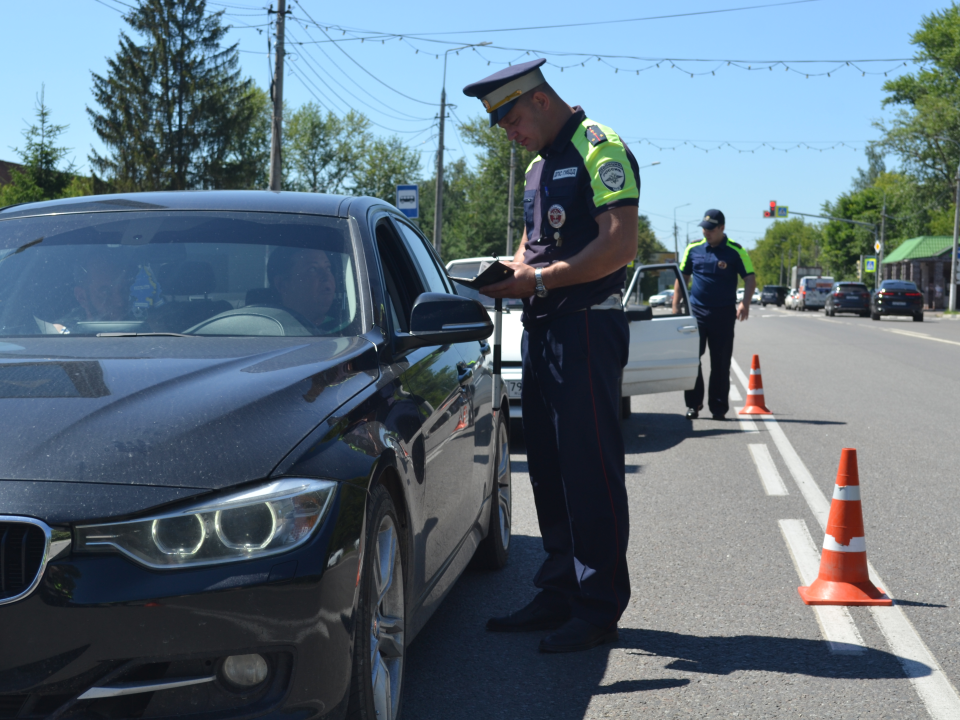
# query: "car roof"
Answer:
x=228 y=200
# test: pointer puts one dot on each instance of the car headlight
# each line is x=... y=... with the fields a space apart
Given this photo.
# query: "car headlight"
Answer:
x=253 y=523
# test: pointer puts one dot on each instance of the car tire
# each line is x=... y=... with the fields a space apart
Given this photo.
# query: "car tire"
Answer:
x=918 y=317
x=379 y=647
x=495 y=547
x=874 y=315
x=763 y=304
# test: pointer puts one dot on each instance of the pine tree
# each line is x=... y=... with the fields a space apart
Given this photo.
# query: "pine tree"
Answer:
x=174 y=111
x=42 y=177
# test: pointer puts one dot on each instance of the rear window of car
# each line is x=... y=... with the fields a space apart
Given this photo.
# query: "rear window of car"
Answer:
x=899 y=285
x=189 y=272
x=851 y=287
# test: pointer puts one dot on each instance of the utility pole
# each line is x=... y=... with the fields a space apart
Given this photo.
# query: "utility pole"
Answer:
x=513 y=169
x=676 y=248
x=953 y=256
x=883 y=237
x=276 y=170
x=781 y=265
x=438 y=204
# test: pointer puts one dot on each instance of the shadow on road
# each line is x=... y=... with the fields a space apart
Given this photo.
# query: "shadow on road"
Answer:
x=457 y=670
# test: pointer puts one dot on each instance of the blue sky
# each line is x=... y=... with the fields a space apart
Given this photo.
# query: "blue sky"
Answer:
x=60 y=42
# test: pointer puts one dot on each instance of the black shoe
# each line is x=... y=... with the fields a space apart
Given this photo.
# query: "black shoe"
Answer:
x=692 y=414
x=533 y=617
x=577 y=635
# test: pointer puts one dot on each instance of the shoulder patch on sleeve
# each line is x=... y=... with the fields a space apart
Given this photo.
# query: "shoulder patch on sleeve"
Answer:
x=595 y=135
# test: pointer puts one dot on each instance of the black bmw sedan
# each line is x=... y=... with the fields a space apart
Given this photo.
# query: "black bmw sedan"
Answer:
x=247 y=445
x=897 y=297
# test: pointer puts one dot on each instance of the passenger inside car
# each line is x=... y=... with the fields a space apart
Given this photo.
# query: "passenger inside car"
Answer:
x=102 y=290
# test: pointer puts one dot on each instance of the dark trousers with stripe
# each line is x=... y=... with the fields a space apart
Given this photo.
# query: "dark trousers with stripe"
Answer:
x=571 y=398
x=716 y=327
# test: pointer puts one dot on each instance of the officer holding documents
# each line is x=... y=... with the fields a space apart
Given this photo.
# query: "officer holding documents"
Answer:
x=580 y=212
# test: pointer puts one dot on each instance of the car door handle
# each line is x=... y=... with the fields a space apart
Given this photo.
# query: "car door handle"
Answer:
x=687 y=328
x=484 y=347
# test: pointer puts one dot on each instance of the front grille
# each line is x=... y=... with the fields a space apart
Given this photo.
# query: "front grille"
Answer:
x=21 y=555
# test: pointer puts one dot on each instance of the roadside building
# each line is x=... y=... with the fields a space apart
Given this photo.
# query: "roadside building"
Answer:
x=925 y=261
x=5 y=168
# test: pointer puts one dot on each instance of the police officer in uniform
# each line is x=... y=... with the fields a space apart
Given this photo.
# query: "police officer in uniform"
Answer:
x=715 y=264
x=580 y=212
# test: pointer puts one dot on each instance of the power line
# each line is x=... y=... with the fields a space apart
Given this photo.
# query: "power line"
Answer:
x=422 y=102
x=412 y=117
x=612 y=22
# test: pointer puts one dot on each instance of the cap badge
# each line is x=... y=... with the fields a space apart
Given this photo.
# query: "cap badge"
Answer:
x=707 y=218
x=556 y=216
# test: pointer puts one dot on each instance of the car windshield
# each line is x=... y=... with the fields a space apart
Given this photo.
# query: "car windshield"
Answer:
x=193 y=273
x=471 y=270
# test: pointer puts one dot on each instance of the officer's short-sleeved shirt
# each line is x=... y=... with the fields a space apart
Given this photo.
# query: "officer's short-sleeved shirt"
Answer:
x=586 y=171
x=715 y=271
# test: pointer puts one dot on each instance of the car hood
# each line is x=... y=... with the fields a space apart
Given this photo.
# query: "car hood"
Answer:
x=168 y=412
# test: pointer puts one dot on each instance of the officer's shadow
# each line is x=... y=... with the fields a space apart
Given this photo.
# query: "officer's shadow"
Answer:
x=456 y=669
x=656 y=432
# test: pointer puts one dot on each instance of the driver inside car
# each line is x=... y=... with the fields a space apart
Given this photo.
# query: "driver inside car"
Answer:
x=102 y=291
x=304 y=281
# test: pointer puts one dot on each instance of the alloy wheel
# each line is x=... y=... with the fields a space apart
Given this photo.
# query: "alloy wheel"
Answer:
x=503 y=487
x=386 y=622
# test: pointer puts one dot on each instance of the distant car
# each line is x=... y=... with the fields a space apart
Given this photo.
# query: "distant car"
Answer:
x=773 y=295
x=897 y=297
x=660 y=299
x=756 y=297
x=740 y=294
x=663 y=354
x=848 y=297
x=790 y=302
x=813 y=292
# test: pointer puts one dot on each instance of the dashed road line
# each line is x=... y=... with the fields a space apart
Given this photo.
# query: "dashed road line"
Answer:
x=924 y=336
x=835 y=622
x=769 y=475
x=746 y=424
x=735 y=394
x=919 y=664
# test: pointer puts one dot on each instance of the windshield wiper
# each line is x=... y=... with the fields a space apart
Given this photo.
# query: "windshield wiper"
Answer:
x=146 y=334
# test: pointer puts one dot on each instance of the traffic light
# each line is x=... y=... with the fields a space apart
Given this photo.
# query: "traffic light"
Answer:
x=858 y=268
x=772 y=212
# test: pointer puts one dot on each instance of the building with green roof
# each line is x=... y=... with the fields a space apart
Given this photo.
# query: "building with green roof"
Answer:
x=925 y=261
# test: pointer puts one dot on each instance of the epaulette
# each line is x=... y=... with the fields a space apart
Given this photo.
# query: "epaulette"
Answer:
x=595 y=135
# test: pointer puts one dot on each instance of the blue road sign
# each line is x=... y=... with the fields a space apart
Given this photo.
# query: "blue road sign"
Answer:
x=408 y=200
x=783 y=211
x=871 y=265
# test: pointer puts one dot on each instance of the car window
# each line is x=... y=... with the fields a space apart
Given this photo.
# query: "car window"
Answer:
x=400 y=273
x=192 y=272
x=433 y=277
x=654 y=288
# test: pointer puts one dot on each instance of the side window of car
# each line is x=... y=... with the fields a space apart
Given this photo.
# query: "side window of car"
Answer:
x=400 y=273
x=433 y=277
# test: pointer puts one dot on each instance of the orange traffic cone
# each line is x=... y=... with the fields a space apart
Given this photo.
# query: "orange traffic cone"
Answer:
x=843 y=578
x=755 y=404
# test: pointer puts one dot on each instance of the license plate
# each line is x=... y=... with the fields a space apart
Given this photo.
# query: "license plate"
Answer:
x=513 y=388
x=899 y=303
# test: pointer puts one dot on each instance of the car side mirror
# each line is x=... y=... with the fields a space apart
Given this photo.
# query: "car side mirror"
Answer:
x=441 y=319
x=639 y=312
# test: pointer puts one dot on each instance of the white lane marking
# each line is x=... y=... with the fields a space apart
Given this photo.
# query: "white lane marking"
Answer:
x=923 y=335
x=835 y=622
x=746 y=424
x=769 y=475
x=739 y=373
x=919 y=664
x=734 y=393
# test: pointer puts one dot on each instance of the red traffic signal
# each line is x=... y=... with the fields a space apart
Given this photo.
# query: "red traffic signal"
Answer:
x=772 y=212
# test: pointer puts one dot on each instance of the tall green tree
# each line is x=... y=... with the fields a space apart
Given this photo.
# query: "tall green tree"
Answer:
x=174 y=111
x=46 y=175
x=322 y=151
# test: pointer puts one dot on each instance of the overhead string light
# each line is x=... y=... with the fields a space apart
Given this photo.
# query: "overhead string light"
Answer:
x=752 y=145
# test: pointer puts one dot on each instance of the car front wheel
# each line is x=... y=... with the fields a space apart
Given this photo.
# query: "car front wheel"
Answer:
x=380 y=647
x=493 y=550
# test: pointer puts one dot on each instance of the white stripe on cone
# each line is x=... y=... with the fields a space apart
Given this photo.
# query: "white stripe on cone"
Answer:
x=757 y=391
x=857 y=544
x=846 y=492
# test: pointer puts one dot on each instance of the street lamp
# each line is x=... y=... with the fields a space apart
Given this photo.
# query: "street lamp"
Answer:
x=676 y=249
x=438 y=205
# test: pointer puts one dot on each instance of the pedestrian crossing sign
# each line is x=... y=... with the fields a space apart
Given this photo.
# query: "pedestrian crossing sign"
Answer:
x=870 y=265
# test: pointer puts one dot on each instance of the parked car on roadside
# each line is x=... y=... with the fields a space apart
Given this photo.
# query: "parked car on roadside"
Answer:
x=848 y=297
x=664 y=348
x=790 y=302
x=897 y=297
x=773 y=295
x=247 y=447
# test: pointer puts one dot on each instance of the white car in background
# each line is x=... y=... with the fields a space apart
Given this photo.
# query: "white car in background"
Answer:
x=664 y=348
x=664 y=298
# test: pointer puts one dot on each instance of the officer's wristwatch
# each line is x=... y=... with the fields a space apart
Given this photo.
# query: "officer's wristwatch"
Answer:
x=541 y=288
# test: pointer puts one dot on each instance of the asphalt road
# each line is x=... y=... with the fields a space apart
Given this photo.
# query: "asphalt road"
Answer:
x=715 y=627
